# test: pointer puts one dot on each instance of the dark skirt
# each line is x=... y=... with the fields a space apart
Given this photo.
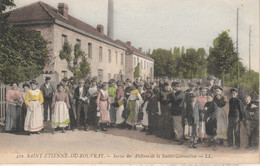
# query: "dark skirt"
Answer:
x=164 y=123
x=92 y=111
x=211 y=127
x=13 y=118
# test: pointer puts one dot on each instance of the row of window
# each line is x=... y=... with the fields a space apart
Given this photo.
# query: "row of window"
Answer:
x=78 y=41
x=143 y=64
x=116 y=76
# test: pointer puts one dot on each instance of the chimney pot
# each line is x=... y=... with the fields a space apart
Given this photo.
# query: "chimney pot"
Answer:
x=63 y=9
x=100 y=28
x=128 y=43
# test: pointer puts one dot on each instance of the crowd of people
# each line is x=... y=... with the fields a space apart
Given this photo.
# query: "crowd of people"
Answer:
x=162 y=107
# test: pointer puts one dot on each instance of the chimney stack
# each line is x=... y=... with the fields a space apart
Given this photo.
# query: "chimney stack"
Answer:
x=140 y=49
x=100 y=28
x=63 y=9
x=128 y=43
x=110 y=19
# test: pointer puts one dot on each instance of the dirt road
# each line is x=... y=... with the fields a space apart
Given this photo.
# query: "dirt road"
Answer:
x=111 y=147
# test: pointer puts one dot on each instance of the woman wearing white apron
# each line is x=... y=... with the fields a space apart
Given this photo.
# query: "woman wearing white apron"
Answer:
x=34 y=117
x=60 y=105
x=222 y=124
x=146 y=96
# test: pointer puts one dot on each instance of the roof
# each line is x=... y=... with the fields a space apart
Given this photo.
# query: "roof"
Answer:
x=132 y=49
x=39 y=12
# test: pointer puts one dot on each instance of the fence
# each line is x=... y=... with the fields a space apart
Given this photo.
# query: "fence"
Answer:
x=3 y=104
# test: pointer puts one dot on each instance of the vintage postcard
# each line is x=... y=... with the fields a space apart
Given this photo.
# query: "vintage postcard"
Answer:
x=129 y=82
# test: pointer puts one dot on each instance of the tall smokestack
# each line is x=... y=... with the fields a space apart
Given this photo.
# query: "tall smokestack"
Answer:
x=110 y=19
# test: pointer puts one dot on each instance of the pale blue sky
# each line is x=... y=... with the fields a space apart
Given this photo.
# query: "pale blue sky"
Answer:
x=168 y=23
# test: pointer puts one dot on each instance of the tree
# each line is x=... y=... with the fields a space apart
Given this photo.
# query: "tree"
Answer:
x=190 y=64
x=182 y=51
x=253 y=84
x=137 y=71
x=223 y=59
x=81 y=69
x=202 y=63
x=23 y=55
x=164 y=63
x=5 y=4
x=176 y=52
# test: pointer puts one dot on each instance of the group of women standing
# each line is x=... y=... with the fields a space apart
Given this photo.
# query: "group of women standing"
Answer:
x=162 y=108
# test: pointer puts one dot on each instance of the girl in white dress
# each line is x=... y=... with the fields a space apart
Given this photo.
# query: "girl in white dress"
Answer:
x=60 y=105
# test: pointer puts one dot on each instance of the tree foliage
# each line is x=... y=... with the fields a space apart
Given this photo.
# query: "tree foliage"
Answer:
x=65 y=53
x=5 y=4
x=193 y=64
x=164 y=63
x=137 y=71
x=222 y=58
x=23 y=55
x=80 y=69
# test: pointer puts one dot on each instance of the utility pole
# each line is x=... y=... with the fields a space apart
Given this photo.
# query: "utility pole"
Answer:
x=249 y=48
x=237 y=49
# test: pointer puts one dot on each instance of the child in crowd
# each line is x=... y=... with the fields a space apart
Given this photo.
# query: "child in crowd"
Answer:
x=193 y=111
x=210 y=120
x=61 y=106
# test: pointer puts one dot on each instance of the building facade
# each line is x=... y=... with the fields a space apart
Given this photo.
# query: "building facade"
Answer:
x=135 y=56
x=108 y=58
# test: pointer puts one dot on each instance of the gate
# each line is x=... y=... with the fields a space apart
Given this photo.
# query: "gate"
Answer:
x=3 y=104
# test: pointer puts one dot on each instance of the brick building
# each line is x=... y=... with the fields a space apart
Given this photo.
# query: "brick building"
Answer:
x=107 y=57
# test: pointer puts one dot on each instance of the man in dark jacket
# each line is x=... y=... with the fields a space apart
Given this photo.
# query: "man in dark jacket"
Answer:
x=176 y=111
x=251 y=120
x=81 y=96
x=47 y=90
x=235 y=115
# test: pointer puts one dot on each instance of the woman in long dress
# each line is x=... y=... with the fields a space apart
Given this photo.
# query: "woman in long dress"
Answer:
x=34 y=117
x=13 y=112
x=120 y=94
x=26 y=87
x=222 y=125
x=134 y=101
x=203 y=100
x=210 y=121
x=103 y=107
x=61 y=106
x=146 y=96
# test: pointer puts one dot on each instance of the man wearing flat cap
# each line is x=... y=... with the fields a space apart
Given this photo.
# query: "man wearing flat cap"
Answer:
x=211 y=83
x=177 y=100
x=47 y=90
x=235 y=115
x=188 y=98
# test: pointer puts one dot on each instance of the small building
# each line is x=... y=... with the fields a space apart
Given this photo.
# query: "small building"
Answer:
x=107 y=58
x=135 y=56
